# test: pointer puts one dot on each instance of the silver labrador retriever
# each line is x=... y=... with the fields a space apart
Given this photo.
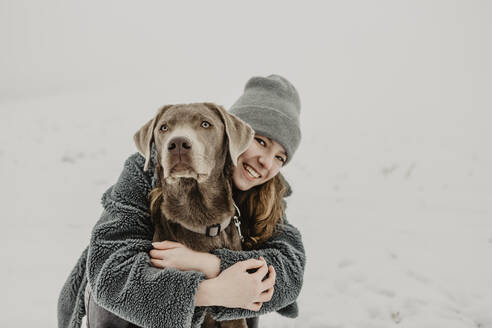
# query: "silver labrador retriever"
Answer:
x=196 y=147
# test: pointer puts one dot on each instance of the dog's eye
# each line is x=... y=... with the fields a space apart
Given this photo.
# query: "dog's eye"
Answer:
x=205 y=124
x=164 y=127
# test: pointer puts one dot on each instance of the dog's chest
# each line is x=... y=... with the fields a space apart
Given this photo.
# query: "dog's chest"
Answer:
x=228 y=238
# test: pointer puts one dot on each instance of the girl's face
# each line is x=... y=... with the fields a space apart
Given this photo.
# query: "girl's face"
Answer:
x=259 y=163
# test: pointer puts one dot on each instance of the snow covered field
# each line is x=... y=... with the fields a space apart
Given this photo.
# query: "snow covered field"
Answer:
x=392 y=182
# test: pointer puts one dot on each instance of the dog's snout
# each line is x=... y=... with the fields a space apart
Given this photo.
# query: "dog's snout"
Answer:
x=179 y=144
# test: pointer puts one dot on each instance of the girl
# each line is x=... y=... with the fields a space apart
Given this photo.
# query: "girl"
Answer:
x=113 y=280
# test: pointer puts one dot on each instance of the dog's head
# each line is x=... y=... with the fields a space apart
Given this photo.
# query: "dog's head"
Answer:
x=190 y=139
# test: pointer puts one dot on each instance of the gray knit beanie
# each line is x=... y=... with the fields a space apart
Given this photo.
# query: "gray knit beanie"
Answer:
x=271 y=105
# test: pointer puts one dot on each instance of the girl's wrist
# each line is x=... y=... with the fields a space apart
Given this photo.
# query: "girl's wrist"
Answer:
x=205 y=295
x=210 y=265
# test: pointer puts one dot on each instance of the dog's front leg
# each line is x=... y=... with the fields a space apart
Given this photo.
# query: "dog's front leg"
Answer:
x=240 y=323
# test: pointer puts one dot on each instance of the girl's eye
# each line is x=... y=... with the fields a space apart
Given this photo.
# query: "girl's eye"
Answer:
x=164 y=127
x=280 y=158
x=261 y=142
x=205 y=124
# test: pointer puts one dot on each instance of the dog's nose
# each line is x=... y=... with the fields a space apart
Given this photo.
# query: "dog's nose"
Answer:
x=179 y=145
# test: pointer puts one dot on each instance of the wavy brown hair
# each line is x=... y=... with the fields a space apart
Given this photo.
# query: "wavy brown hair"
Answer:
x=261 y=207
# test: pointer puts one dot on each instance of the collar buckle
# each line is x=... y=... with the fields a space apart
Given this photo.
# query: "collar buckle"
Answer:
x=213 y=230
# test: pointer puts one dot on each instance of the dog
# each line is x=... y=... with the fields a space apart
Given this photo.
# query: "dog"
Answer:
x=196 y=147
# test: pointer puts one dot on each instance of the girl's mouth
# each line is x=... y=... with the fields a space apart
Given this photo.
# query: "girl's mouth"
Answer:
x=251 y=172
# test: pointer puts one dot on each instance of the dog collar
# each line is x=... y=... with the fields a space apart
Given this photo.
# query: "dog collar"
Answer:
x=215 y=229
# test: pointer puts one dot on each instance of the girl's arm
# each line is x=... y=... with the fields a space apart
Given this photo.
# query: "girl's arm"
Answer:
x=234 y=287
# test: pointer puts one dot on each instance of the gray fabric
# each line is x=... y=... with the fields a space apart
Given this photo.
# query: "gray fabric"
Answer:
x=117 y=267
x=271 y=105
x=99 y=317
x=71 y=307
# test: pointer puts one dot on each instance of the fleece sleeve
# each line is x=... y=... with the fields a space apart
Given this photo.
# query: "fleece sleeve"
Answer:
x=118 y=267
x=70 y=306
x=285 y=251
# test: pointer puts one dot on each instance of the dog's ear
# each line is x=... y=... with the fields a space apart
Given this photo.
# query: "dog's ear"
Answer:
x=239 y=133
x=145 y=136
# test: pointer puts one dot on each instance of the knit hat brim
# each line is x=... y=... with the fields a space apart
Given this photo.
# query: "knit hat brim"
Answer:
x=287 y=132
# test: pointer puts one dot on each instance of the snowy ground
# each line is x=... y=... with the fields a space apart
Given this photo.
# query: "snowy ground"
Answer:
x=392 y=182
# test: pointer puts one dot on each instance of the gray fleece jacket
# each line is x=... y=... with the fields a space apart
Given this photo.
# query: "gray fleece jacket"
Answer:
x=116 y=265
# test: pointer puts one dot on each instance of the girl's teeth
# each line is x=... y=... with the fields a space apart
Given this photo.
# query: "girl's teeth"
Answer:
x=251 y=171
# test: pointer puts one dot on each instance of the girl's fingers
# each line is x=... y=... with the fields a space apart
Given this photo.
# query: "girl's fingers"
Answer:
x=261 y=272
x=166 y=244
x=266 y=296
x=157 y=254
x=156 y=263
x=251 y=264
x=255 y=306
x=270 y=281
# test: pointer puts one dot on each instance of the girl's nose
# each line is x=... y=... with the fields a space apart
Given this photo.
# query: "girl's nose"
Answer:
x=266 y=161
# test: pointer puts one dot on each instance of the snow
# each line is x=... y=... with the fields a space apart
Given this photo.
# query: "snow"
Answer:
x=392 y=181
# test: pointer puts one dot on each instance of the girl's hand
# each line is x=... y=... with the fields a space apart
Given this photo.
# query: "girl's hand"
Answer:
x=236 y=288
x=171 y=254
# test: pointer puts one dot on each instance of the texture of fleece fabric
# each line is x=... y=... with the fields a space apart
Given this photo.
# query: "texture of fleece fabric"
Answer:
x=116 y=265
